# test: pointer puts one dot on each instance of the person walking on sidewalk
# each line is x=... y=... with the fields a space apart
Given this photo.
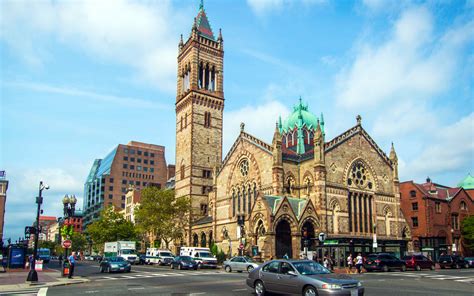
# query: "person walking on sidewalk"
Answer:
x=350 y=262
x=60 y=259
x=359 y=262
x=72 y=264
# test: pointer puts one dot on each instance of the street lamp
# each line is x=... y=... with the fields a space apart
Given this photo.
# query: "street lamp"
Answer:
x=33 y=275
x=453 y=246
x=69 y=203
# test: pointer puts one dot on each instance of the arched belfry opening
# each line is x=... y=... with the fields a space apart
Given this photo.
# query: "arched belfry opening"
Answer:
x=283 y=239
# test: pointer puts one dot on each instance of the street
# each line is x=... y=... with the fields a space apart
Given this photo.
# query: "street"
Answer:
x=161 y=280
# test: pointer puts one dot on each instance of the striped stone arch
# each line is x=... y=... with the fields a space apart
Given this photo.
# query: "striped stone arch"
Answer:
x=314 y=220
x=291 y=220
x=334 y=204
x=253 y=164
x=367 y=165
x=387 y=210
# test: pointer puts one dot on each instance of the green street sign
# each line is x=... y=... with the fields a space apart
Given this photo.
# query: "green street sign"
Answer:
x=331 y=242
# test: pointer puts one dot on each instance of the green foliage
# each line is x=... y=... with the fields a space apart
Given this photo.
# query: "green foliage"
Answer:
x=163 y=214
x=66 y=231
x=79 y=241
x=467 y=229
x=111 y=226
x=220 y=256
x=47 y=245
x=214 y=250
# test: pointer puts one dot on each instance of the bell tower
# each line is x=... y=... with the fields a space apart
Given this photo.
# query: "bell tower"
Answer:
x=199 y=110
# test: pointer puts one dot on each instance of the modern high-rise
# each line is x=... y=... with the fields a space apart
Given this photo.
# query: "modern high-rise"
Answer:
x=138 y=164
x=3 y=200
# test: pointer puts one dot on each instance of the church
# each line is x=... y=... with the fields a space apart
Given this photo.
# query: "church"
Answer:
x=275 y=199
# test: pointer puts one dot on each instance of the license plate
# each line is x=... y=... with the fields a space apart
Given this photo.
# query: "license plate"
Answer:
x=122 y=268
x=354 y=292
x=445 y=262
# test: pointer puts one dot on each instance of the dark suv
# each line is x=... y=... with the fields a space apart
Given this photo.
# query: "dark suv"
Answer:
x=418 y=262
x=452 y=261
x=384 y=262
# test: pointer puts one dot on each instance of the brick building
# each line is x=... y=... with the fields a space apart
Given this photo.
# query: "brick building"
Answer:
x=3 y=201
x=138 y=164
x=434 y=213
x=270 y=194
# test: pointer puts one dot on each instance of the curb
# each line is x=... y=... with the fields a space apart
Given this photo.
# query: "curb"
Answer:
x=42 y=285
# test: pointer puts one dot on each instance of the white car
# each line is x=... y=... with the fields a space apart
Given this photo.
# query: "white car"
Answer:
x=240 y=263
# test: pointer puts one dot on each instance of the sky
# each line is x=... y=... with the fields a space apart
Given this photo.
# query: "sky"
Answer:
x=79 y=77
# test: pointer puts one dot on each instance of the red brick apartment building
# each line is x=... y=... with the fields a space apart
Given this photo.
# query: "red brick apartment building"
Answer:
x=435 y=212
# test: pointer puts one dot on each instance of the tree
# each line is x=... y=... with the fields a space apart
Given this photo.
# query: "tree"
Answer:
x=111 y=226
x=467 y=229
x=78 y=241
x=161 y=213
x=47 y=245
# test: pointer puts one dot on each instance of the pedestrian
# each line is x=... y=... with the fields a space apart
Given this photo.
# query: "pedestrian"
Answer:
x=285 y=256
x=72 y=264
x=350 y=262
x=325 y=261
x=359 y=262
x=31 y=259
x=60 y=259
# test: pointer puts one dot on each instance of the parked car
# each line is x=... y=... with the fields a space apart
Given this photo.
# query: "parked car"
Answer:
x=97 y=257
x=383 y=262
x=184 y=262
x=112 y=264
x=452 y=261
x=88 y=258
x=470 y=261
x=304 y=277
x=239 y=263
x=418 y=262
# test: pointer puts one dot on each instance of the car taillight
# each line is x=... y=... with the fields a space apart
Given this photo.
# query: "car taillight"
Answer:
x=412 y=260
x=377 y=261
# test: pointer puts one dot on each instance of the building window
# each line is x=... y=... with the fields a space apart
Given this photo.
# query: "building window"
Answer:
x=414 y=221
x=124 y=181
x=152 y=162
x=125 y=150
x=111 y=188
x=110 y=196
x=203 y=189
x=463 y=205
x=152 y=170
x=143 y=183
x=438 y=207
x=122 y=206
x=132 y=167
x=145 y=161
x=125 y=165
x=139 y=152
x=414 y=206
x=132 y=158
x=139 y=160
x=152 y=154
x=203 y=209
x=145 y=153
x=244 y=167
x=413 y=193
x=455 y=221
x=145 y=169
x=124 y=189
x=206 y=173
x=111 y=180
x=139 y=167
x=207 y=119
x=125 y=158
x=137 y=183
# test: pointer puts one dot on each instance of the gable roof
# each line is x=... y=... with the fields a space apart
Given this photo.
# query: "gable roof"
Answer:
x=202 y=24
x=296 y=204
x=358 y=129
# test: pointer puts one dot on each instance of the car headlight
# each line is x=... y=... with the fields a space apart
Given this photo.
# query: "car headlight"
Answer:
x=359 y=284
x=331 y=286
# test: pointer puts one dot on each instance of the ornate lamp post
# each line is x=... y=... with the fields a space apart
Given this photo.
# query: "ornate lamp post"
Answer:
x=33 y=275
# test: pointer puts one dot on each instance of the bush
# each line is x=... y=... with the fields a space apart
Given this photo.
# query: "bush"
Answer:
x=220 y=257
x=214 y=250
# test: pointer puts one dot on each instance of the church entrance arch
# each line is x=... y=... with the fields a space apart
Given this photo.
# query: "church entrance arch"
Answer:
x=308 y=234
x=283 y=239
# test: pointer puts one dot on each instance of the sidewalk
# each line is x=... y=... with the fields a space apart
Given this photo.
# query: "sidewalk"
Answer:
x=15 y=280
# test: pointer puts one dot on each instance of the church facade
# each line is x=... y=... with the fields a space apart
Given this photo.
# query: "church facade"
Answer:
x=274 y=199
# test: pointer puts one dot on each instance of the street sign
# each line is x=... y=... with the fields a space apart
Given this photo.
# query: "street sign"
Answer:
x=322 y=237
x=67 y=244
x=331 y=242
x=374 y=245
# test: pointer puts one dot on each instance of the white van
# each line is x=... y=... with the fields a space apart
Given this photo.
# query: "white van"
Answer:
x=159 y=256
x=202 y=256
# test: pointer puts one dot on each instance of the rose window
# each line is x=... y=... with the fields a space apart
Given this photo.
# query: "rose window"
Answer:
x=244 y=167
x=359 y=176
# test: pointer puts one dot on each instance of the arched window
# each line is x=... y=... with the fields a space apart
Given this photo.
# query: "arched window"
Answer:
x=181 y=124
x=290 y=183
x=359 y=176
x=413 y=193
x=203 y=239
x=290 y=139
x=463 y=205
x=244 y=195
x=182 y=171
x=307 y=183
x=238 y=201
x=254 y=192
x=249 y=196
x=233 y=203
x=211 y=239
x=195 y=240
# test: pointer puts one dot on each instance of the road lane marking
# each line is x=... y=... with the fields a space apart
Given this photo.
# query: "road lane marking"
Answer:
x=91 y=292
x=138 y=288
x=237 y=290
x=466 y=280
x=42 y=292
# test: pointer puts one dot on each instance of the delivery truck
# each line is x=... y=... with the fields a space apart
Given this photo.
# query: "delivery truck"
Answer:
x=124 y=249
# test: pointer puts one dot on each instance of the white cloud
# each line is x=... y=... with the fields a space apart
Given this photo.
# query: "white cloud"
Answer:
x=259 y=121
x=449 y=148
x=142 y=35
x=412 y=63
x=263 y=6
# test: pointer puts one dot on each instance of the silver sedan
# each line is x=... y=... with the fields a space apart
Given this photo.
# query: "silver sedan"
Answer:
x=301 y=277
x=239 y=263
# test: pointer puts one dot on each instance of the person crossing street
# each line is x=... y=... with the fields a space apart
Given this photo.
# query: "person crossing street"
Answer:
x=72 y=264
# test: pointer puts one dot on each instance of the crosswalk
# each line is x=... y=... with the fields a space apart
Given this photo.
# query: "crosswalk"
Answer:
x=441 y=277
x=145 y=274
x=38 y=291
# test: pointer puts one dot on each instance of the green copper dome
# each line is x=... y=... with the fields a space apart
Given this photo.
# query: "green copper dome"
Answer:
x=300 y=117
x=467 y=183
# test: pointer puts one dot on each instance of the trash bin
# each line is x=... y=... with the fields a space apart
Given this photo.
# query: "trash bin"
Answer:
x=65 y=269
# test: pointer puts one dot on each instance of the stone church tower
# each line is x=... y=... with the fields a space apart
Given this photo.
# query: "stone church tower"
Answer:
x=199 y=109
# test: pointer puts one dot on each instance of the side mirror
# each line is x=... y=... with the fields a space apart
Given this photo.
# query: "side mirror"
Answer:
x=292 y=273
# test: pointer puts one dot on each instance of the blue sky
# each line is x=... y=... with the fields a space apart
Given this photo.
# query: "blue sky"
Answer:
x=80 y=77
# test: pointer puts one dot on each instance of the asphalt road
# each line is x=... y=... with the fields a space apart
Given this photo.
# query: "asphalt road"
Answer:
x=153 y=280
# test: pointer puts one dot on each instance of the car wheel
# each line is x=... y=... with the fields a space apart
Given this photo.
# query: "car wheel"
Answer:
x=259 y=288
x=385 y=268
x=432 y=267
x=310 y=291
x=403 y=268
x=228 y=269
x=199 y=266
x=250 y=268
x=417 y=268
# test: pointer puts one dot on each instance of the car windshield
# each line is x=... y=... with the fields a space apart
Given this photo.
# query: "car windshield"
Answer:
x=186 y=258
x=205 y=254
x=128 y=252
x=310 y=268
x=445 y=258
x=116 y=259
x=372 y=257
x=249 y=259
x=166 y=254
x=469 y=258
x=406 y=258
